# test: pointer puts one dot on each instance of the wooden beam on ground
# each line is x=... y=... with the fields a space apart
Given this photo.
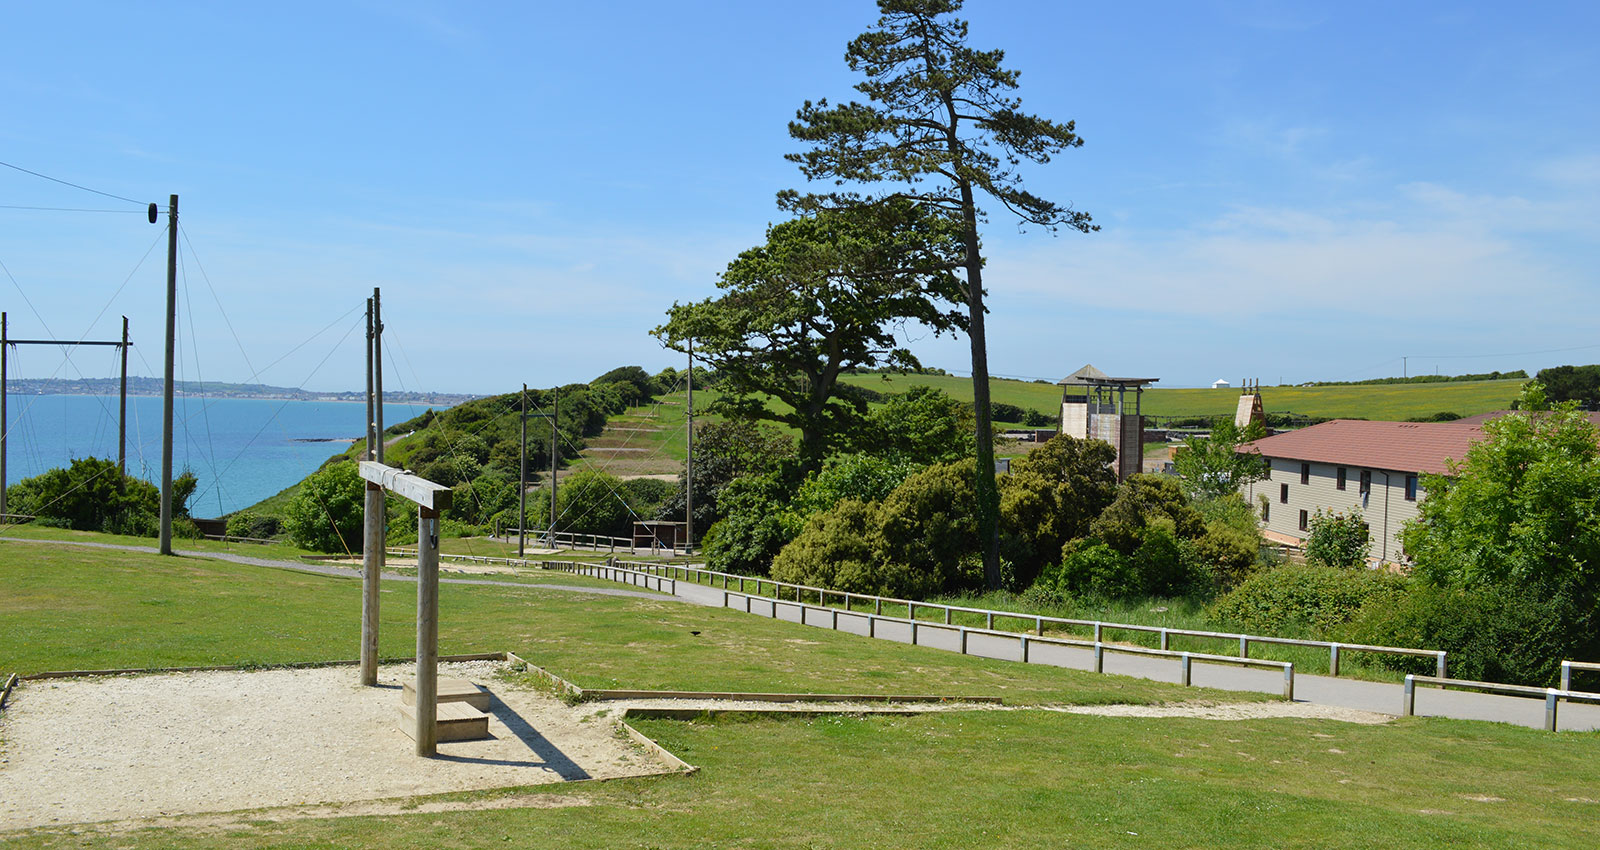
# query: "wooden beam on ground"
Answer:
x=425 y=493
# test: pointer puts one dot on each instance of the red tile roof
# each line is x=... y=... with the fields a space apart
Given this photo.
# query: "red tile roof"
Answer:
x=1395 y=446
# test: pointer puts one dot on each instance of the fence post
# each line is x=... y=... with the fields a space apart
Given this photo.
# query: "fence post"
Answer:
x=1164 y=643
x=1550 y=702
x=913 y=632
x=1099 y=657
x=947 y=615
x=1038 y=625
x=724 y=598
x=1024 y=639
x=1097 y=631
x=747 y=604
x=872 y=626
x=878 y=605
x=835 y=619
x=911 y=614
x=1440 y=665
x=1333 y=660
x=1288 y=681
x=1408 y=702
x=1244 y=646
x=1566 y=675
x=988 y=622
x=963 y=640
x=1183 y=667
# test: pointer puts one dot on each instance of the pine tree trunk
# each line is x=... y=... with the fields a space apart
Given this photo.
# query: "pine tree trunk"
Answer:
x=988 y=493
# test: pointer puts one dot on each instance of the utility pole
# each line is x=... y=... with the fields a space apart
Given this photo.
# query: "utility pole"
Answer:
x=522 y=480
x=372 y=450
x=688 y=464
x=377 y=364
x=372 y=536
x=122 y=409
x=1405 y=371
x=166 y=386
x=5 y=425
x=555 y=454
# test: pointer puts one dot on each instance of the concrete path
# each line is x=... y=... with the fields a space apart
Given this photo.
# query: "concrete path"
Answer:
x=1380 y=697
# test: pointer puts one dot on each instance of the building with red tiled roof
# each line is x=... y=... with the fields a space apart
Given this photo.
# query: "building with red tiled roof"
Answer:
x=1350 y=464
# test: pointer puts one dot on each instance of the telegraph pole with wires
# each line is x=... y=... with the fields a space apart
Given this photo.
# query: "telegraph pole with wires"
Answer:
x=688 y=464
x=522 y=479
x=166 y=386
x=555 y=457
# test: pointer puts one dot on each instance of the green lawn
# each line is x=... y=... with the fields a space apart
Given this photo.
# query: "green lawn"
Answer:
x=995 y=779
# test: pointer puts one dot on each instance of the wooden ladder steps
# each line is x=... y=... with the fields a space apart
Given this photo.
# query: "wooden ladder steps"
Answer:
x=450 y=690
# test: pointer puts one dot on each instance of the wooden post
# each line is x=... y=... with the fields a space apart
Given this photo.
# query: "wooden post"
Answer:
x=5 y=426
x=166 y=386
x=688 y=463
x=377 y=369
x=522 y=479
x=555 y=453
x=372 y=443
x=427 y=631
x=122 y=408
x=371 y=576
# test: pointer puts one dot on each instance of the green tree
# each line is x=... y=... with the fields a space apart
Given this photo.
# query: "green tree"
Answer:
x=825 y=294
x=922 y=426
x=1522 y=507
x=91 y=494
x=1050 y=497
x=942 y=126
x=1212 y=467
x=326 y=515
x=929 y=528
x=1571 y=383
x=1141 y=501
x=723 y=452
x=1338 y=539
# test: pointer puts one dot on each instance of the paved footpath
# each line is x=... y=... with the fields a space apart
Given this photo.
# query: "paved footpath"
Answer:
x=1382 y=697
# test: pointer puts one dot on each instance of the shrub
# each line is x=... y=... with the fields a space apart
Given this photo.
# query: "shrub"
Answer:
x=999 y=411
x=1338 y=540
x=1139 y=501
x=929 y=527
x=1037 y=419
x=252 y=524
x=326 y=515
x=1231 y=555
x=840 y=549
x=92 y=495
x=1491 y=634
x=1305 y=599
x=1050 y=497
x=755 y=529
x=1093 y=569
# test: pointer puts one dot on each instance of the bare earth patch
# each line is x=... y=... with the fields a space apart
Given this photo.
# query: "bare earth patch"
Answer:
x=1232 y=711
x=146 y=747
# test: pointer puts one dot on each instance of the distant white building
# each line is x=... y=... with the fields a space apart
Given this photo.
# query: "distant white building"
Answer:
x=1220 y=383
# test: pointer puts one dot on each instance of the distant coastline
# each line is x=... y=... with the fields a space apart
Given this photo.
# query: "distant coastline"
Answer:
x=141 y=386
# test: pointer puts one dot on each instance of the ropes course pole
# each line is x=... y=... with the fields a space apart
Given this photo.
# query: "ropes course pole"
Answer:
x=166 y=386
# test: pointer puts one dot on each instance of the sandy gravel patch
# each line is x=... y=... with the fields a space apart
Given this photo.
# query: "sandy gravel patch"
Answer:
x=133 y=747
x=1232 y=711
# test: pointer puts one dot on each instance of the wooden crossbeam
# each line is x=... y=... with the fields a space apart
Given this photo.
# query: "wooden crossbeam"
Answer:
x=417 y=489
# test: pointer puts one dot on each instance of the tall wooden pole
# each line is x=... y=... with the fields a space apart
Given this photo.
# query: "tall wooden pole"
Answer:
x=377 y=365
x=427 y=631
x=522 y=479
x=5 y=425
x=688 y=465
x=555 y=454
x=372 y=541
x=122 y=408
x=166 y=386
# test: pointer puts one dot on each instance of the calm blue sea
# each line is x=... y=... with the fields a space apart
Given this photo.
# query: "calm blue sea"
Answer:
x=242 y=450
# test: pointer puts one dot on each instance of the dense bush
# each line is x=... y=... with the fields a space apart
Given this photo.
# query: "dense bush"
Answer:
x=1338 y=540
x=326 y=515
x=841 y=548
x=251 y=524
x=1036 y=419
x=1141 y=500
x=860 y=476
x=1050 y=497
x=1305 y=599
x=922 y=426
x=1491 y=634
x=999 y=411
x=92 y=495
x=757 y=526
x=929 y=527
x=1094 y=570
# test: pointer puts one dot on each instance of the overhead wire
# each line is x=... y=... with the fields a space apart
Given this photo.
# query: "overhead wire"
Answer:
x=69 y=183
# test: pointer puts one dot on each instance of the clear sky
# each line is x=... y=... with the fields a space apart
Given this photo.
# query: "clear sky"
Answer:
x=1292 y=191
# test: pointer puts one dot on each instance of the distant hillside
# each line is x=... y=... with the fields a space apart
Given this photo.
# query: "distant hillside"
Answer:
x=1371 y=401
x=215 y=389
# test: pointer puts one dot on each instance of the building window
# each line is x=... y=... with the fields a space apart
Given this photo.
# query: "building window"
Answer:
x=1265 y=514
x=1305 y=473
x=1283 y=493
x=1339 y=482
x=1411 y=488
x=1366 y=482
x=1305 y=521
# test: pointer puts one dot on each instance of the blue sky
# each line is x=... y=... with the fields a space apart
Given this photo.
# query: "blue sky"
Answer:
x=1287 y=191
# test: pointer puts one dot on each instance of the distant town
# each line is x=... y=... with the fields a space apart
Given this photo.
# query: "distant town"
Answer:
x=140 y=386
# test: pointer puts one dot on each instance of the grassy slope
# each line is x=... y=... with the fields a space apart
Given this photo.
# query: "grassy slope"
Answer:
x=1394 y=401
x=991 y=779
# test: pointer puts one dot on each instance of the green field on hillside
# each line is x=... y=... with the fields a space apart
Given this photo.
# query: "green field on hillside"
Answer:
x=1382 y=401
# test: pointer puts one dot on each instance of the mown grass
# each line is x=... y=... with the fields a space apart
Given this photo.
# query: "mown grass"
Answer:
x=1381 y=401
x=88 y=609
x=1002 y=779
x=1017 y=780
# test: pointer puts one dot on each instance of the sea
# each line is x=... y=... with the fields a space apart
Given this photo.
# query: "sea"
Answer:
x=242 y=450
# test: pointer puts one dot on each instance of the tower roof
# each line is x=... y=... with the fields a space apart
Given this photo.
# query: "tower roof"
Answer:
x=1089 y=376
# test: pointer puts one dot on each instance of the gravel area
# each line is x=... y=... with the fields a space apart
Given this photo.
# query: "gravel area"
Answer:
x=153 y=746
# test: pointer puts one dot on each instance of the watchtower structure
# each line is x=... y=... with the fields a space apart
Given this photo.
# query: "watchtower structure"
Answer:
x=1095 y=405
x=1250 y=411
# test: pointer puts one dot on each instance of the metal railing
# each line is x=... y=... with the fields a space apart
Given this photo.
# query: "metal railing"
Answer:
x=611 y=573
x=1025 y=642
x=592 y=542
x=1568 y=666
x=1336 y=649
x=1552 y=696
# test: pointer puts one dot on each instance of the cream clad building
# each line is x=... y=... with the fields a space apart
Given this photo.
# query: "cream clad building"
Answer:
x=1347 y=464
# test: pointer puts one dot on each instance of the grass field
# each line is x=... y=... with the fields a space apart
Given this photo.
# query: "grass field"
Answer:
x=1386 y=401
x=1002 y=779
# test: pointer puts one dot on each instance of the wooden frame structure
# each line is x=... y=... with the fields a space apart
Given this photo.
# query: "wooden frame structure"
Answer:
x=430 y=499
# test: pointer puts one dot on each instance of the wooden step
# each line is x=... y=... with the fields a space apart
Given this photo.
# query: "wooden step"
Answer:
x=455 y=721
x=450 y=690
